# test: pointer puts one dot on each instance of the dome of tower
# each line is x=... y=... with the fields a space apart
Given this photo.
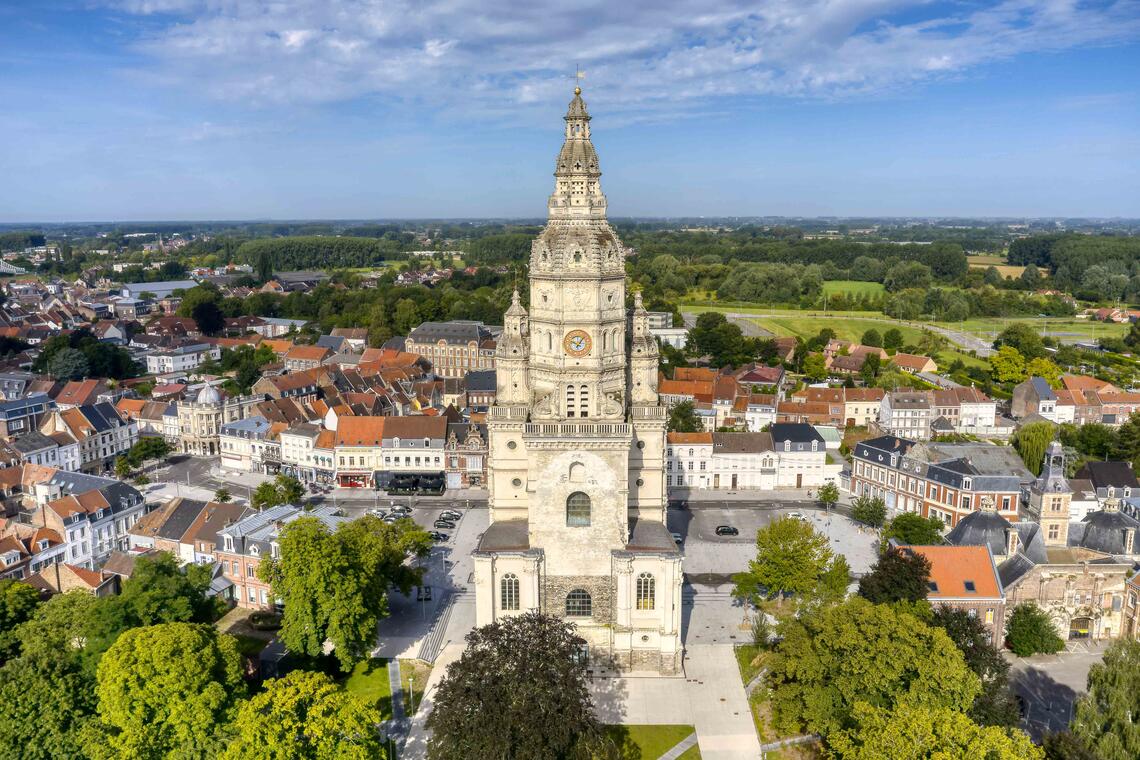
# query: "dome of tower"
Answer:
x=209 y=395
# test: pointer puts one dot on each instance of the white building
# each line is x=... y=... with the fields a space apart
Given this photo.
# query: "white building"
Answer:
x=907 y=414
x=577 y=442
x=101 y=432
x=792 y=455
x=181 y=359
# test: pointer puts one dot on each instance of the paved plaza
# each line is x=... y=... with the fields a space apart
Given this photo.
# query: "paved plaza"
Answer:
x=1049 y=685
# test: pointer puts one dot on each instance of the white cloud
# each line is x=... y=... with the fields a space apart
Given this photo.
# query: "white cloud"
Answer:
x=643 y=58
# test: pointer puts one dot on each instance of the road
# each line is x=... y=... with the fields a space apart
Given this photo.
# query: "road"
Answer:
x=964 y=340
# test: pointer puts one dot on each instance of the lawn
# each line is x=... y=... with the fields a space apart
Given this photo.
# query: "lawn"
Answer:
x=369 y=681
x=1065 y=329
x=414 y=676
x=846 y=328
x=853 y=288
x=650 y=742
x=997 y=262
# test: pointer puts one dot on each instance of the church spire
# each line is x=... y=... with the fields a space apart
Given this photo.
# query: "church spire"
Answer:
x=577 y=192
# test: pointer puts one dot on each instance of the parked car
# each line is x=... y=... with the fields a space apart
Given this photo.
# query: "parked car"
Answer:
x=401 y=510
x=446 y=524
x=677 y=539
x=378 y=513
x=727 y=530
x=438 y=537
x=799 y=516
x=450 y=514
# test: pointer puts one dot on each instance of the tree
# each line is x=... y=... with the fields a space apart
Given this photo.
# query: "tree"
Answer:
x=995 y=704
x=45 y=705
x=1031 y=441
x=683 y=419
x=18 y=601
x=721 y=340
x=870 y=369
x=146 y=449
x=872 y=338
x=828 y=495
x=407 y=316
x=222 y=495
x=993 y=277
x=513 y=670
x=919 y=733
x=306 y=716
x=66 y=627
x=815 y=368
x=893 y=339
x=907 y=275
x=1030 y=278
x=283 y=489
x=870 y=510
x=1030 y=631
x=914 y=529
x=835 y=657
x=335 y=584
x=1105 y=718
x=1063 y=745
x=1008 y=365
x=69 y=364
x=1046 y=369
x=1022 y=337
x=897 y=576
x=159 y=591
x=792 y=558
x=122 y=468
x=167 y=690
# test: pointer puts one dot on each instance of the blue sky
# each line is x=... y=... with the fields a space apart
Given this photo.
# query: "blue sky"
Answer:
x=192 y=109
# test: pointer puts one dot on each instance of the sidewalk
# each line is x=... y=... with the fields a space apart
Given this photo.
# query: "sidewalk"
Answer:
x=720 y=710
x=694 y=496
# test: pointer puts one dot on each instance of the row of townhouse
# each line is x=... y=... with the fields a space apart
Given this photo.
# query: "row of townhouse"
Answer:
x=1081 y=400
x=78 y=518
x=454 y=348
x=361 y=451
x=791 y=455
x=919 y=415
x=947 y=481
x=838 y=407
x=100 y=431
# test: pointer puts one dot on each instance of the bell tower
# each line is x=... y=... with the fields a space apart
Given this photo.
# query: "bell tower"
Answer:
x=1050 y=495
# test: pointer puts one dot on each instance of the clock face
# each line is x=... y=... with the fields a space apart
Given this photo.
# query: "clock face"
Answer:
x=577 y=343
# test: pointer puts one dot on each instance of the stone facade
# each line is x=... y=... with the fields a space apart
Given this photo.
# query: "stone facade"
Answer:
x=576 y=440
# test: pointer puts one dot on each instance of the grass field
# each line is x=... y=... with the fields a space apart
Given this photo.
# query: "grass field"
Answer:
x=1067 y=330
x=998 y=262
x=846 y=328
x=852 y=287
x=414 y=676
x=369 y=681
x=650 y=742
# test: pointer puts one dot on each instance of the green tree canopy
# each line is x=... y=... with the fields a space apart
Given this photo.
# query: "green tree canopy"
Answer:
x=921 y=733
x=18 y=601
x=1031 y=441
x=683 y=419
x=1105 y=718
x=69 y=364
x=167 y=690
x=914 y=529
x=995 y=704
x=306 y=716
x=335 y=584
x=870 y=510
x=893 y=339
x=1008 y=365
x=828 y=495
x=44 y=706
x=1030 y=631
x=898 y=576
x=872 y=337
x=159 y=591
x=721 y=340
x=513 y=672
x=283 y=489
x=815 y=368
x=791 y=558
x=833 y=658
x=1022 y=337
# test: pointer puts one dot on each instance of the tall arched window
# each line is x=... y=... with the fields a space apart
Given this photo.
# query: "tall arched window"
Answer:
x=570 y=401
x=584 y=401
x=646 y=591
x=509 y=592
x=578 y=510
x=549 y=341
x=579 y=604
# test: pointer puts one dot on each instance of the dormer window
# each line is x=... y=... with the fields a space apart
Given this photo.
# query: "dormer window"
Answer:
x=427 y=442
x=787 y=445
x=43 y=544
x=967 y=484
x=229 y=543
x=254 y=551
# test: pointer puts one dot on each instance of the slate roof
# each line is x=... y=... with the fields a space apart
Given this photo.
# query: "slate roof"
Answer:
x=800 y=434
x=457 y=331
x=1104 y=531
x=1109 y=474
x=481 y=381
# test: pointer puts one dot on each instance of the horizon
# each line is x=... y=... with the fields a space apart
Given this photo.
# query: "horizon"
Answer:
x=184 y=111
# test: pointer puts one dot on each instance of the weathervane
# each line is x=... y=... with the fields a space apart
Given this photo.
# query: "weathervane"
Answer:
x=579 y=75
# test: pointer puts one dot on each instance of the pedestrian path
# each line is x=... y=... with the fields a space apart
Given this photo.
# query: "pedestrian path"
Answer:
x=720 y=710
x=680 y=748
x=397 y=689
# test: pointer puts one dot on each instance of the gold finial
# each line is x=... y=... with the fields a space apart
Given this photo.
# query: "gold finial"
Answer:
x=577 y=90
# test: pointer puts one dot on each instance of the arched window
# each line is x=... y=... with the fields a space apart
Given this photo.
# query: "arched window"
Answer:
x=549 y=341
x=569 y=400
x=579 y=603
x=584 y=401
x=578 y=510
x=646 y=591
x=509 y=592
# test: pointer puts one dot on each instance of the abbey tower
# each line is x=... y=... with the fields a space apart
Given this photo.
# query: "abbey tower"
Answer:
x=577 y=441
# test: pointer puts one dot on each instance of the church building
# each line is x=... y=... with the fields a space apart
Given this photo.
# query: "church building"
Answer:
x=576 y=442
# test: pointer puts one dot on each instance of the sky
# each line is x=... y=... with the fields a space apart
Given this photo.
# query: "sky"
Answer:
x=381 y=109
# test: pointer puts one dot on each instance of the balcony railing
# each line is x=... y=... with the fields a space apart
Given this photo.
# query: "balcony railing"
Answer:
x=577 y=429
